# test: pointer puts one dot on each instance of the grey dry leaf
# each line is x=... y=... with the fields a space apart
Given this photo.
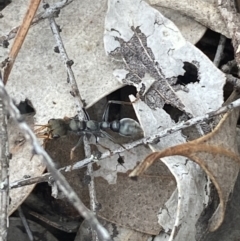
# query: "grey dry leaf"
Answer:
x=205 y=12
x=140 y=62
x=155 y=54
x=23 y=163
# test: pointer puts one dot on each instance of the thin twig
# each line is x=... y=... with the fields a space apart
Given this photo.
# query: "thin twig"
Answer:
x=227 y=68
x=231 y=18
x=146 y=140
x=25 y=224
x=47 y=176
x=68 y=63
x=21 y=34
x=233 y=81
x=220 y=49
x=4 y=194
x=58 y=177
x=81 y=115
x=91 y=185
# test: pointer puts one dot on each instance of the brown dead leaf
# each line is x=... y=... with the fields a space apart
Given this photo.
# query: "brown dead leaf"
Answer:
x=59 y=150
x=123 y=234
x=135 y=204
x=218 y=156
x=117 y=233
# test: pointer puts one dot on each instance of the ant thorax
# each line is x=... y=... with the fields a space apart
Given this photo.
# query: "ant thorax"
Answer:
x=76 y=125
x=104 y=125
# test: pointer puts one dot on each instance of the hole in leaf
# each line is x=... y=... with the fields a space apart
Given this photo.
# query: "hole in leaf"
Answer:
x=227 y=90
x=25 y=107
x=4 y=3
x=173 y=112
x=190 y=75
x=116 y=111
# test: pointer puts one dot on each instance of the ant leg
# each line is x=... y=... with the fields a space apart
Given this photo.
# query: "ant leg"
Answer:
x=113 y=140
x=74 y=148
x=86 y=114
x=106 y=109
x=98 y=144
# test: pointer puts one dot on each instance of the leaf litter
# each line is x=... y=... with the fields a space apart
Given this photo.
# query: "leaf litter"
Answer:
x=152 y=85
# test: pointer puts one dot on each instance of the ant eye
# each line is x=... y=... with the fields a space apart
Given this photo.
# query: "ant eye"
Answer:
x=55 y=136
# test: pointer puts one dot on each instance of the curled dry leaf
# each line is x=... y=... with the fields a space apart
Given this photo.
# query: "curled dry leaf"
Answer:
x=218 y=156
x=184 y=206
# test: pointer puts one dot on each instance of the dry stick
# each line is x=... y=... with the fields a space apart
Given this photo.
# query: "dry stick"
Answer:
x=227 y=68
x=231 y=18
x=4 y=194
x=68 y=63
x=25 y=224
x=21 y=34
x=146 y=140
x=81 y=115
x=234 y=81
x=91 y=185
x=47 y=176
x=219 y=52
x=60 y=179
